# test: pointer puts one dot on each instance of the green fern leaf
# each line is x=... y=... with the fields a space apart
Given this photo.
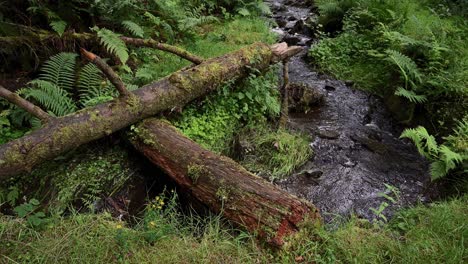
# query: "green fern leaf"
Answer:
x=425 y=143
x=449 y=157
x=407 y=66
x=50 y=96
x=411 y=96
x=58 y=26
x=438 y=170
x=89 y=83
x=60 y=70
x=133 y=28
x=113 y=44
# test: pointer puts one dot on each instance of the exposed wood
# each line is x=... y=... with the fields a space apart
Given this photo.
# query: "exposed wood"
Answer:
x=25 y=104
x=68 y=132
x=222 y=184
x=107 y=70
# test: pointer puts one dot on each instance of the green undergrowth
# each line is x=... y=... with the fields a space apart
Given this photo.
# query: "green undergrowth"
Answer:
x=273 y=153
x=71 y=182
x=424 y=234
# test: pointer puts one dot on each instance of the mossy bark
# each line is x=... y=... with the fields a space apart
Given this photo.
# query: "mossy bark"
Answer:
x=66 y=133
x=222 y=184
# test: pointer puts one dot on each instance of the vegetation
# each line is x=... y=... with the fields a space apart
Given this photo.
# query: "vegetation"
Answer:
x=433 y=234
x=412 y=53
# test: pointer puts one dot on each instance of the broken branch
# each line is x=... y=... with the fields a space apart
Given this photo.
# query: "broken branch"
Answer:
x=24 y=104
x=107 y=70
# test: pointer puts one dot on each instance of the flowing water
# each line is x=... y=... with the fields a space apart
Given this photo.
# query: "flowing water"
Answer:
x=356 y=141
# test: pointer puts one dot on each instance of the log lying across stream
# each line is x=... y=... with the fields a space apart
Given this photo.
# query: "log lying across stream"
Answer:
x=222 y=184
x=60 y=135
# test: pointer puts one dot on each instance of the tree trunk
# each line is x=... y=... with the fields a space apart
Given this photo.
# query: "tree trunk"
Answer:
x=222 y=184
x=63 y=134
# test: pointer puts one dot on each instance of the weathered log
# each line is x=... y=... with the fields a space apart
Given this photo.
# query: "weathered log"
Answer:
x=222 y=184
x=68 y=132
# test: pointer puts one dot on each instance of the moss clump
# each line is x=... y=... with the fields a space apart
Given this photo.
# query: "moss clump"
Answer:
x=194 y=171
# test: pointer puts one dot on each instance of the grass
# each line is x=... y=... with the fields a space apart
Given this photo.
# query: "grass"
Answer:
x=424 y=234
x=274 y=153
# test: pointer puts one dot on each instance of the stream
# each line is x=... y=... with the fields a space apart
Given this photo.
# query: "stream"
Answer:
x=355 y=139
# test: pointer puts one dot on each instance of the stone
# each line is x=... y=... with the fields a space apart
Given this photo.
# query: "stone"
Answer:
x=328 y=133
x=303 y=97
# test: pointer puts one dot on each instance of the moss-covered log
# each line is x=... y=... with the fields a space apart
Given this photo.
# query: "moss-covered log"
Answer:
x=65 y=133
x=222 y=184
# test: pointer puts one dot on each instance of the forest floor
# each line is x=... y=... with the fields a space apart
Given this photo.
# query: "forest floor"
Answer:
x=107 y=224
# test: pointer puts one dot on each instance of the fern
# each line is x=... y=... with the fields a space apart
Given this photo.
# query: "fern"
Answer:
x=112 y=42
x=407 y=66
x=58 y=26
x=425 y=143
x=53 y=98
x=444 y=158
x=60 y=70
x=410 y=95
x=89 y=84
x=133 y=28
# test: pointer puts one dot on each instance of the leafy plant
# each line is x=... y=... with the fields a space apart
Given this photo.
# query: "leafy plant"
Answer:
x=444 y=157
x=29 y=212
x=112 y=42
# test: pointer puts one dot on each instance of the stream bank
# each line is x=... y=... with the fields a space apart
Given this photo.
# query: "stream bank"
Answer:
x=356 y=140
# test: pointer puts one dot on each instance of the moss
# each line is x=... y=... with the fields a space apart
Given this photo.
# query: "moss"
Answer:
x=194 y=171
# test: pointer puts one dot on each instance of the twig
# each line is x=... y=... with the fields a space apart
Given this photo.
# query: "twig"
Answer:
x=107 y=70
x=164 y=47
x=24 y=104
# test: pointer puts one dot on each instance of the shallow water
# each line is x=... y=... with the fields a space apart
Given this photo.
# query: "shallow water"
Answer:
x=355 y=139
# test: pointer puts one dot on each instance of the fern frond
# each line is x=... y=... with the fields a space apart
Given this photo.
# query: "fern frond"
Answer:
x=411 y=96
x=438 y=170
x=425 y=143
x=133 y=28
x=407 y=66
x=449 y=157
x=112 y=42
x=58 y=26
x=50 y=96
x=60 y=70
x=89 y=83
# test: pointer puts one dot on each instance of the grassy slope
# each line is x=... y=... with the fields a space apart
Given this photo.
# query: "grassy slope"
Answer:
x=434 y=234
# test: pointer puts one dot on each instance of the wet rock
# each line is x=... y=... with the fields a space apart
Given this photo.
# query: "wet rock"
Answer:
x=313 y=173
x=298 y=27
x=277 y=7
x=292 y=18
x=291 y=40
x=281 y=22
x=350 y=164
x=328 y=133
x=302 y=97
x=329 y=88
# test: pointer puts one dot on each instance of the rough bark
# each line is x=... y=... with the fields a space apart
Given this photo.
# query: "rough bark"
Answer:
x=26 y=105
x=222 y=184
x=45 y=38
x=107 y=70
x=63 y=134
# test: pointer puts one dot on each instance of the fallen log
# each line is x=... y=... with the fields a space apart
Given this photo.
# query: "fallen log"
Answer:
x=60 y=135
x=68 y=132
x=222 y=184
